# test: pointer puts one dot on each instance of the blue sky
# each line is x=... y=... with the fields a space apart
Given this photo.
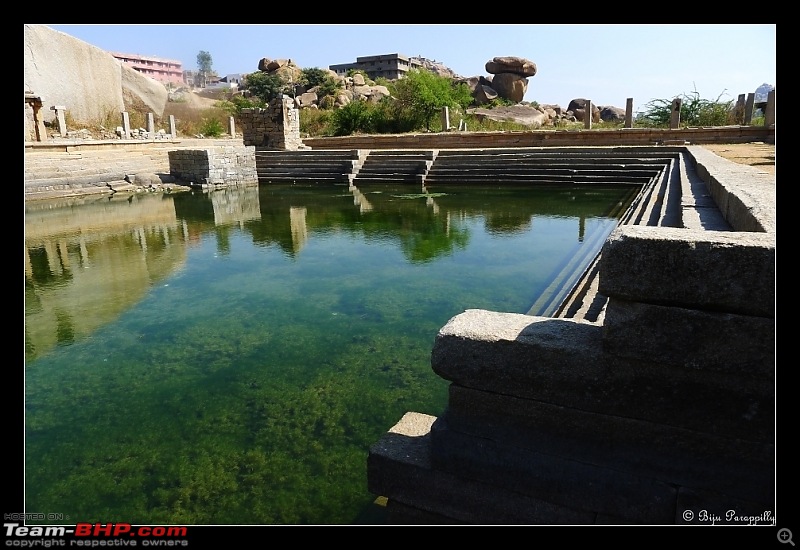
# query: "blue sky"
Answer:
x=605 y=63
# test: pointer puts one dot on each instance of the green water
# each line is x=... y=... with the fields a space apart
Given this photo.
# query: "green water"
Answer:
x=228 y=358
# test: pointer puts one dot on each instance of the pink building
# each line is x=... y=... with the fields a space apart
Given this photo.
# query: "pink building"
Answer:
x=157 y=68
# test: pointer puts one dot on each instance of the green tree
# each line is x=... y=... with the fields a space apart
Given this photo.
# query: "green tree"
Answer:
x=264 y=86
x=204 y=63
x=313 y=76
x=422 y=94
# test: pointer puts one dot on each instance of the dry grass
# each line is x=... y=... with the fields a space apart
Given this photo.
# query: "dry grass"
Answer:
x=189 y=119
x=758 y=154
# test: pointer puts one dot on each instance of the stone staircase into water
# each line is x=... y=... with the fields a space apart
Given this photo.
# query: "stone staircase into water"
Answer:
x=541 y=166
x=391 y=166
x=324 y=166
x=674 y=196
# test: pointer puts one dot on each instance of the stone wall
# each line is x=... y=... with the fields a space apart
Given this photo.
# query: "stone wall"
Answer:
x=548 y=138
x=68 y=168
x=276 y=127
x=218 y=165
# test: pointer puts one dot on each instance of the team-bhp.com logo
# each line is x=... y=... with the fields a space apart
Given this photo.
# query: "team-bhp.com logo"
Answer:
x=83 y=534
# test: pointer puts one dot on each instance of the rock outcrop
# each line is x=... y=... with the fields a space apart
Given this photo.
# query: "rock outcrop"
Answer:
x=510 y=64
x=535 y=115
x=350 y=87
x=511 y=76
x=436 y=67
x=88 y=81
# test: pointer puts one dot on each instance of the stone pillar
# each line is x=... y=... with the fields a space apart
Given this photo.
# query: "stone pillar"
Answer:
x=151 y=126
x=675 y=117
x=587 y=114
x=172 y=130
x=62 y=123
x=39 y=131
x=126 y=125
x=748 y=108
x=231 y=127
x=769 y=113
x=445 y=118
x=739 y=109
x=629 y=113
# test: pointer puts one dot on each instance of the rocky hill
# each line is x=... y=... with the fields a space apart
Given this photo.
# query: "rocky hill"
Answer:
x=88 y=81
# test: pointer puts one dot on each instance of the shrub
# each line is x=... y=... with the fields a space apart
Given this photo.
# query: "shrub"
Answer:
x=264 y=86
x=212 y=127
x=314 y=122
x=694 y=112
x=328 y=88
x=352 y=118
x=236 y=103
x=313 y=76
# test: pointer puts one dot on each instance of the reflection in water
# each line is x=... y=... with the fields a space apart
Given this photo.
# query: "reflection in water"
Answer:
x=229 y=358
x=235 y=205
x=86 y=262
x=297 y=221
x=360 y=199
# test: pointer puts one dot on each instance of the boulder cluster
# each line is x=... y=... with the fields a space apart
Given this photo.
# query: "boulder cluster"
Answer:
x=351 y=88
x=507 y=79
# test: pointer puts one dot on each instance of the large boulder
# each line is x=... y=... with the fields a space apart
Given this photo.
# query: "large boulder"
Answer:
x=343 y=97
x=578 y=108
x=612 y=114
x=484 y=94
x=511 y=64
x=472 y=82
x=510 y=86
x=372 y=94
x=275 y=64
x=88 y=81
x=307 y=98
x=136 y=86
x=521 y=114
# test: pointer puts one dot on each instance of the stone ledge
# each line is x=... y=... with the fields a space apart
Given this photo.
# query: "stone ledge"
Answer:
x=714 y=342
x=745 y=195
x=399 y=465
x=712 y=270
x=644 y=449
x=562 y=361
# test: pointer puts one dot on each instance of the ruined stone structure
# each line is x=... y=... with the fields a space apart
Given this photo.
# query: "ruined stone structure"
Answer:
x=215 y=166
x=34 y=124
x=276 y=127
